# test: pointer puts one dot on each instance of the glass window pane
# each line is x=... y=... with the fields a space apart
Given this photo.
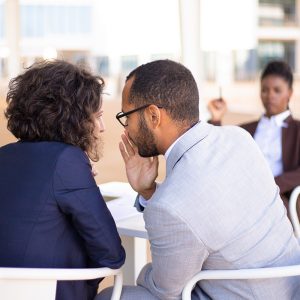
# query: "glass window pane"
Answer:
x=245 y=64
x=41 y=20
x=277 y=12
x=128 y=63
x=209 y=65
x=1 y=20
x=270 y=50
x=102 y=65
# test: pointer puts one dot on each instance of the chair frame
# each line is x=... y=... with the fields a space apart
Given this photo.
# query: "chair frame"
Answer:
x=26 y=283
x=259 y=273
x=293 y=211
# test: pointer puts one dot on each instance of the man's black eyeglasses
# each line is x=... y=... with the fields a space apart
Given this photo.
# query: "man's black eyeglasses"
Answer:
x=124 y=115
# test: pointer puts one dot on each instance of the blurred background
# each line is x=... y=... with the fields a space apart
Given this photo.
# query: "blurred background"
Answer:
x=225 y=43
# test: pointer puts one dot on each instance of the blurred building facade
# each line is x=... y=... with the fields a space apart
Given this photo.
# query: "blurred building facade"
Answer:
x=277 y=35
x=89 y=32
x=81 y=31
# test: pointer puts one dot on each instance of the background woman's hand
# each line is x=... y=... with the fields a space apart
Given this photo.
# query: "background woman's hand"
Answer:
x=217 y=108
x=141 y=171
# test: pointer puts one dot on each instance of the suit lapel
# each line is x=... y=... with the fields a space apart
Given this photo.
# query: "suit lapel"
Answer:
x=250 y=127
x=287 y=141
x=193 y=136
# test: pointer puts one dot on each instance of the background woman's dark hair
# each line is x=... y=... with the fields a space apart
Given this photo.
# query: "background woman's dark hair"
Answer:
x=55 y=101
x=279 y=68
x=168 y=84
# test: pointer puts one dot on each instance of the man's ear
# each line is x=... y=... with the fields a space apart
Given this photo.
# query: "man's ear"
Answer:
x=153 y=116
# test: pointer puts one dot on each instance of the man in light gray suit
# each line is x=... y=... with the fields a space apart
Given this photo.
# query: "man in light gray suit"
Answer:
x=218 y=207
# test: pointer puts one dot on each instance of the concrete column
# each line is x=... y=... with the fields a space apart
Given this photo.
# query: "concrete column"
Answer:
x=224 y=68
x=115 y=80
x=191 y=55
x=190 y=36
x=12 y=36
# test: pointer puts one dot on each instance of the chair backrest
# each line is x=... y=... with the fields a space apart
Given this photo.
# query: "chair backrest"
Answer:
x=37 y=284
x=252 y=273
x=293 y=210
x=259 y=273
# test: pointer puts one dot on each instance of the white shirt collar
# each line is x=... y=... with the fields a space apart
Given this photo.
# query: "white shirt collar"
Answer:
x=277 y=119
x=166 y=155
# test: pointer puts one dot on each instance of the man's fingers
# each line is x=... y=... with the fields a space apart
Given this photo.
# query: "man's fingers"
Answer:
x=155 y=160
x=133 y=145
x=156 y=163
x=128 y=146
x=123 y=152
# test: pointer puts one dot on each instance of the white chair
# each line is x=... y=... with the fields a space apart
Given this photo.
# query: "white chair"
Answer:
x=252 y=273
x=293 y=211
x=274 y=272
x=38 y=283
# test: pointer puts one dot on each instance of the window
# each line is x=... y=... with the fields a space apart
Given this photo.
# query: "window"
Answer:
x=269 y=50
x=277 y=12
x=1 y=21
x=102 y=65
x=245 y=64
x=209 y=60
x=3 y=67
x=128 y=63
x=42 y=20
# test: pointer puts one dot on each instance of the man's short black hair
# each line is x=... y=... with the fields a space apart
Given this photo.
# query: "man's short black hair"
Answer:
x=167 y=84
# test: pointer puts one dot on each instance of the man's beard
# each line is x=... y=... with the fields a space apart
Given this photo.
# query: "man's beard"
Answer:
x=145 y=140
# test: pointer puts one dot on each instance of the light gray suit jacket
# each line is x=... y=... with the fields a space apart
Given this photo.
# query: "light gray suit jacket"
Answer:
x=218 y=208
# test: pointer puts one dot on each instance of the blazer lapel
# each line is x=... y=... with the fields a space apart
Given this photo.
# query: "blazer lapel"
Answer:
x=287 y=141
x=193 y=136
x=250 y=127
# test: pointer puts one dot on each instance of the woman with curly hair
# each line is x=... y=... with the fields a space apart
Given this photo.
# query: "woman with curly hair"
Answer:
x=52 y=213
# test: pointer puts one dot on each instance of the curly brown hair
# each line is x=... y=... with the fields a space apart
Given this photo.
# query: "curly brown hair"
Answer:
x=55 y=101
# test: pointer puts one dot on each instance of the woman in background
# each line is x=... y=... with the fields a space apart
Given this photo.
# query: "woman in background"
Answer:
x=276 y=132
x=51 y=211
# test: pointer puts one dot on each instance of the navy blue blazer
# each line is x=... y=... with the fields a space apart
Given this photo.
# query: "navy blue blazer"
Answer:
x=53 y=215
